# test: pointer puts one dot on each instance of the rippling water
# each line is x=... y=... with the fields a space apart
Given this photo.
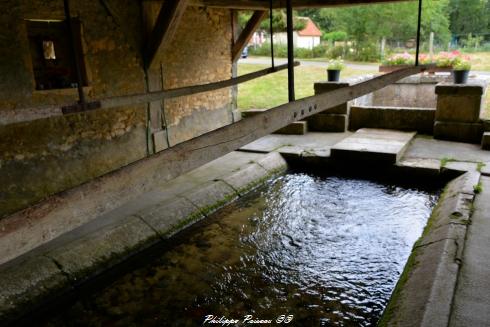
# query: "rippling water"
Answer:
x=326 y=250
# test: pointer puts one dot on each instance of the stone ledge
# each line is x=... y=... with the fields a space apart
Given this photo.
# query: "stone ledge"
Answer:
x=245 y=179
x=424 y=293
x=26 y=283
x=103 y=249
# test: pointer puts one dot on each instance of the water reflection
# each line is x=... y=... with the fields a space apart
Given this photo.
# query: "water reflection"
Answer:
x=326 y=250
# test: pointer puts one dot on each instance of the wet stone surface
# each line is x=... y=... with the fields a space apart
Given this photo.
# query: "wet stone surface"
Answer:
x=327 y=250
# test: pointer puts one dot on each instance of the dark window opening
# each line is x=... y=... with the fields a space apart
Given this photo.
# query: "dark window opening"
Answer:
x=52 y=59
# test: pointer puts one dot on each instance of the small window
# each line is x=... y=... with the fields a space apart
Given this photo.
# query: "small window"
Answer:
x=52 y=59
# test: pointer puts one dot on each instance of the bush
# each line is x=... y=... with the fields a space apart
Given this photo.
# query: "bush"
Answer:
x=335 y=52
x=320 y=51
x=281 y=51
x=367 y=52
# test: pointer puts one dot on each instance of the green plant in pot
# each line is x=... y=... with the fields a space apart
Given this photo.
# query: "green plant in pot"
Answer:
x=333 y=69
x=461 y=69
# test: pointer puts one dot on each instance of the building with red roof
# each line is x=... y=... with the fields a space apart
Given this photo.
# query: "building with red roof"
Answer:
x=308 y=37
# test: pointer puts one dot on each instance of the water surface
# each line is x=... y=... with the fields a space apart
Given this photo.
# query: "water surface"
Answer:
x=326 y=250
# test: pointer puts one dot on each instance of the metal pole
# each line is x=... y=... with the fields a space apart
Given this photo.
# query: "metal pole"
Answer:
x=418 y=34
x=74 y=52
x=271 y=32
x=289 y=26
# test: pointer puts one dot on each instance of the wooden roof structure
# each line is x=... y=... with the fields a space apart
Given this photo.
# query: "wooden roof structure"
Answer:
x=298 y=4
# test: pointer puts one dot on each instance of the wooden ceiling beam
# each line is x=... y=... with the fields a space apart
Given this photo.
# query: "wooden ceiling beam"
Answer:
x=247 y=33
x=165 y=27
x=297 y=4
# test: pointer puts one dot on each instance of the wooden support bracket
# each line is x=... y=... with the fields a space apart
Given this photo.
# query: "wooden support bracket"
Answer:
x=165 y=27
x=247 y=33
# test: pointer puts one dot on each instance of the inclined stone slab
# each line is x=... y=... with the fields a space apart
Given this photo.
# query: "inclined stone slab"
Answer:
x=459 y=132
x=460 y=166
x=167 y=216
x=103 y=248
x=323 y=122
x=211 y=195
x=24 y=283
x=296 y=128
x=472 y=299
x=246 y=178
x=384 y=146
x=273 y=162
x=430 y=277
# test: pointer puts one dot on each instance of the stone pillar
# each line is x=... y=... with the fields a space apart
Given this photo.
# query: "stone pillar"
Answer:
x=330 y=120
x=458 y=112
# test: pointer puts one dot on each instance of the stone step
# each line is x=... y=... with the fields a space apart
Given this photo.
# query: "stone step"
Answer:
x=373 y=145
x=296 y=128
x=327 y=123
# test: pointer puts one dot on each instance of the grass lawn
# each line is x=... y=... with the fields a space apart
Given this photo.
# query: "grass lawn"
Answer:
x=272 y=90
x=480 y=61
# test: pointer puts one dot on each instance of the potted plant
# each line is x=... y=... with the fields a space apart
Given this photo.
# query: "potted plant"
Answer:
x=333 y=69
x=461 y=69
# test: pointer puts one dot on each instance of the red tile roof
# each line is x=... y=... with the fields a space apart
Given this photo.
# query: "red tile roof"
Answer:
x=310 y=29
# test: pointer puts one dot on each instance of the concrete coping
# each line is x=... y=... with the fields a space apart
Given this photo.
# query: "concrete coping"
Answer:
x=473 y=88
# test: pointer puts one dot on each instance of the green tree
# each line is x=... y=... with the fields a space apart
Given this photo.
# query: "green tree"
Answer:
x=470 y=17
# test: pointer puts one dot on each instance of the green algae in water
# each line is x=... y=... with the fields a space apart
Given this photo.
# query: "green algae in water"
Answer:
x=326 y=251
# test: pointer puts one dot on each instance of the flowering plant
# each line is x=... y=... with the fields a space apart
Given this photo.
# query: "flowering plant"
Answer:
x=399 y=59
x=336 y=64
x=453 y=59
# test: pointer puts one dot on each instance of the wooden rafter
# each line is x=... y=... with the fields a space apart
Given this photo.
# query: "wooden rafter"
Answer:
x=264 y=5
x=247 y=33
x=165 y=26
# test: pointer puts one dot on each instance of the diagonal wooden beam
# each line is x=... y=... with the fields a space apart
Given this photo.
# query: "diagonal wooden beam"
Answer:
x=165 y=27
x=247 y=33
x=90 y=200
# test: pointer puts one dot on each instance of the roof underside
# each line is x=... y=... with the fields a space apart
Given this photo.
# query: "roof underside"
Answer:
x=264 y=4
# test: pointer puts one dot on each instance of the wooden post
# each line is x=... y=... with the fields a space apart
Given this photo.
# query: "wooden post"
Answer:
x=431 y=46
x=289 y=26
x=417 y=51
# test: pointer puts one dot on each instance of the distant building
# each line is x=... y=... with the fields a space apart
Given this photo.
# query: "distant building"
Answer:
x=308 y=37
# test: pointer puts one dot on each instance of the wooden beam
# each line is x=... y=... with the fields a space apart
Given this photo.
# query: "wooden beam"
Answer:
x=165 y=27
x=247 y=33
x=43 y=112
x=90 y=200
x=297 y=4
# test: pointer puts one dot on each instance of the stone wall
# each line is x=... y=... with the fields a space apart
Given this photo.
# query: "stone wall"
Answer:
x=413 y=92
x=45 y=156
x=197 y=114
